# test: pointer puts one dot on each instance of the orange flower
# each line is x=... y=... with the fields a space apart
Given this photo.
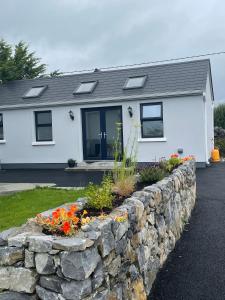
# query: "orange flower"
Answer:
x=75 y=220
x=73 y=208
x=66 y=227
x=175 y=155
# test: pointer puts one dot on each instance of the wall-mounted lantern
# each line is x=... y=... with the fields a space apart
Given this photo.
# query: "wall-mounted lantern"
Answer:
x=130 y=111
x=71 y=114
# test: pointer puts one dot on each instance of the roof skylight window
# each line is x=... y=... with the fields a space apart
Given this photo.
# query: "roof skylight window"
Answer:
x=86 y=87
x=135 y=82
x=35 y=91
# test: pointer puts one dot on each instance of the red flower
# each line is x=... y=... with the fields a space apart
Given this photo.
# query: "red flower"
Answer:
x=175 y=155
x=70 y=214
x=66 y=227
x=55 y=214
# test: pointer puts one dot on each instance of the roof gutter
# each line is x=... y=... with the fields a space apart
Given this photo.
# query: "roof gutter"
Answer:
x=103 y=100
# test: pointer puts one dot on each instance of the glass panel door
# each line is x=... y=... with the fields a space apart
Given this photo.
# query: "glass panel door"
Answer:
x=92 y=135
x=113 y=131
x=101 y=127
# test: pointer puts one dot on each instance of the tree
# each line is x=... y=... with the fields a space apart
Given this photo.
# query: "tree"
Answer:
x=18 y=63
x=55 y=73
x=6 y=62
x=219 y=116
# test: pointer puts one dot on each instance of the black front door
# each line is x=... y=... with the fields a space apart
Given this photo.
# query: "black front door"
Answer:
x=100 y=130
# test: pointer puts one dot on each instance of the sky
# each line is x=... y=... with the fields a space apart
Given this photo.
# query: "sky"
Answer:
x=83 y=34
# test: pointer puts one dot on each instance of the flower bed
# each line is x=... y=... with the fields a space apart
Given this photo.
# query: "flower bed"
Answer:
x=102 y=199
x=115 y=256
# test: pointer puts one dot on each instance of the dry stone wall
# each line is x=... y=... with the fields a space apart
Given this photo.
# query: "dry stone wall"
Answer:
x=106 y=260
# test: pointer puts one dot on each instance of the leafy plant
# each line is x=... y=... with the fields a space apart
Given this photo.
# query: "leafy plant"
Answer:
x=71 y=163
x=100 y=196
x=173 y=162
x=151 y=175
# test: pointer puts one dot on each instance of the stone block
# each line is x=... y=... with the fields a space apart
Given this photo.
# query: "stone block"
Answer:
x=79 y=265
x=40 y=243
x=16 y=296
x=72 y=244
x=4 y=235
x=19 y=240
x=52 y=283
x=10 y=255
x=114 y=267
x=44 y=263
x=122 y=228
x=29 y=259
x=107 y=241
x=44 y=294
x=98 y=277
x=18 y=279
x=76 y=289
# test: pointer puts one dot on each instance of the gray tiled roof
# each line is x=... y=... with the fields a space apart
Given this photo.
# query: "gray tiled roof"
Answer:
x=167 y=78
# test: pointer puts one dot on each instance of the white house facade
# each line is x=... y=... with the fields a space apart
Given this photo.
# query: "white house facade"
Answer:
x=46 y=121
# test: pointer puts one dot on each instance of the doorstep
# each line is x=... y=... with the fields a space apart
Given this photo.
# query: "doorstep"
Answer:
x=92 y=166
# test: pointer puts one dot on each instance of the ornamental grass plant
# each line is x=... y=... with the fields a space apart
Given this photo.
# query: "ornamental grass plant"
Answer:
x=125 y=163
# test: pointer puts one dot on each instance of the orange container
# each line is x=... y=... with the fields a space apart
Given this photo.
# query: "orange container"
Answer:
x=215 y=155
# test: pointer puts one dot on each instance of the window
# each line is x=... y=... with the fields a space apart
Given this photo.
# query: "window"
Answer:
x=135 y=82
x=43 y=125
x=1 y=127
x=86 y=87
x=35 y=91
x=151 y=120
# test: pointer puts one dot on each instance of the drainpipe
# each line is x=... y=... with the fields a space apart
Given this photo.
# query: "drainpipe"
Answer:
x=205 y=123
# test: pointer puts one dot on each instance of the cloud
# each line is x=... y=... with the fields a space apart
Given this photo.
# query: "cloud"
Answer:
x=74 y=34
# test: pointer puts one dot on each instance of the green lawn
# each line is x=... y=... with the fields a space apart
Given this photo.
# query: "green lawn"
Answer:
x=17 y=208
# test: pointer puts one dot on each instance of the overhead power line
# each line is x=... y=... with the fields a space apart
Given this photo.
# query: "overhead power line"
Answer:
x=146 y=63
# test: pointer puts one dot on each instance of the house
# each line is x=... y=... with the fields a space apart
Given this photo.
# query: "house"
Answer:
x=46 y=121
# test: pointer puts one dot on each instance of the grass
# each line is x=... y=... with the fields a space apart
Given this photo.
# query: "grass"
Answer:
x=15 y=209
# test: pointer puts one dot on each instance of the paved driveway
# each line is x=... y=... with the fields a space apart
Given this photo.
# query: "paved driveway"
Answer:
x=59 y=177
x=195 y=270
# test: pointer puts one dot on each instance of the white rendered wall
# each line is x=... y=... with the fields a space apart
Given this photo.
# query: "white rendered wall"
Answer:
x=210 y=118
x=183 y=128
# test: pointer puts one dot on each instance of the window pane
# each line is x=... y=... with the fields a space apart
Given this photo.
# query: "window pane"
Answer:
x=135 y=82
x=152 y=129
x=93 y=142
x=1 y=120
x=113 y=130
x=152 y=111
x=44 y=133
x=35 y=91
x=44 y=118
x=86 y=87
x=1 y=133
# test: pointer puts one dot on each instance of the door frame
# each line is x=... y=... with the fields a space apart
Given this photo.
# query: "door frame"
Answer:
x=102 y=110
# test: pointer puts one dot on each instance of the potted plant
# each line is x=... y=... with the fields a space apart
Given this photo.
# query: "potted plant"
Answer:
x=71 y=163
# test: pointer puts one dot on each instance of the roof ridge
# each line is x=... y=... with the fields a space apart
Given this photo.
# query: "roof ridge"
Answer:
x=109 y=70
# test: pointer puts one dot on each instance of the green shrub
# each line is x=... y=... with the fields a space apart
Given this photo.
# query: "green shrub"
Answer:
x=219 y=116
x=152 y=174
x=220 y=144
x=172 y=163
x=100 y=196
